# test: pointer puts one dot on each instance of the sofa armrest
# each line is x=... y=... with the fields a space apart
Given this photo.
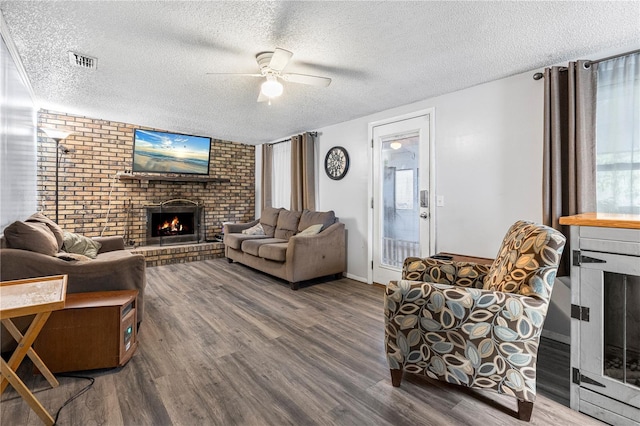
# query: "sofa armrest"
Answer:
x=463 y=274
x=236 y=228
x=117 y=270
x=316 y=255
x=110 y=243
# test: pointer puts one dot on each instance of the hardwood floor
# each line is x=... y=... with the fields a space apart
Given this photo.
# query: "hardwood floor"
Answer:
x=222 y=344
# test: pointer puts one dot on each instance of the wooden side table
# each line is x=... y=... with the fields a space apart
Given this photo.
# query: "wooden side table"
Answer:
x=94 y=330
x=39 y=296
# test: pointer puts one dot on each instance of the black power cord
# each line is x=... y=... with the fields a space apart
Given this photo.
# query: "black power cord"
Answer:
x=78 y=394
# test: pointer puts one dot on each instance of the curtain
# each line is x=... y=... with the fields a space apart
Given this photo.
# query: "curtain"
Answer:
x=18 y=147
x=618 y=135
x=569 y=179
x=303 y=194
x=267 y=172
x=281 y=175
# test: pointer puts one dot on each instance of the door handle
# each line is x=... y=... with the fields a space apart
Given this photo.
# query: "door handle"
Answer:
x=424 y=215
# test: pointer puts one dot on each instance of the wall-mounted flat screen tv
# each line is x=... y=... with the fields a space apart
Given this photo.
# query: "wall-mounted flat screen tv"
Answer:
x=163 y=152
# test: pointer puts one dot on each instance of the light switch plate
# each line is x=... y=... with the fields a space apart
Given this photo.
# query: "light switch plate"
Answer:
x=440 y=201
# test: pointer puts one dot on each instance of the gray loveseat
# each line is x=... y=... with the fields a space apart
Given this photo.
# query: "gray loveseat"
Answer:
x=289 y=247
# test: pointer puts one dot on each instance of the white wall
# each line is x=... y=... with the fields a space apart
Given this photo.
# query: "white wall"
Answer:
x=488 y=156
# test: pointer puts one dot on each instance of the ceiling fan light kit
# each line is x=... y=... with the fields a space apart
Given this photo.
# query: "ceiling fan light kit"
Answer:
x=271 y=65
x=271 y=88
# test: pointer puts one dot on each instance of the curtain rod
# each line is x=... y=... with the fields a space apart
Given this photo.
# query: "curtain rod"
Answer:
x=314 y=134
x=539 y=75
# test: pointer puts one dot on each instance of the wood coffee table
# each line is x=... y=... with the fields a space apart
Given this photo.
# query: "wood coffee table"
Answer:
x=39 y=296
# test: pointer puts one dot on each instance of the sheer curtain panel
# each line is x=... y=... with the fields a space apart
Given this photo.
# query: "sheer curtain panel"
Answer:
x=18 y=149
x=281 y=175
x=618 y=135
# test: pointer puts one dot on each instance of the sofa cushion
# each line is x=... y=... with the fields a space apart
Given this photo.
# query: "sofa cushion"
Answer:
x=309 y=218
x=57 y=231
x=75 y=243
x=253 y=246
x=287 y=224
x=274 y=251
x=31 y=236
x=269 y=220
x=71 y=257
x=235 y=240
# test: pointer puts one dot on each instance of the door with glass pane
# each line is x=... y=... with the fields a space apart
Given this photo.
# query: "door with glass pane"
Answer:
x=401 y=207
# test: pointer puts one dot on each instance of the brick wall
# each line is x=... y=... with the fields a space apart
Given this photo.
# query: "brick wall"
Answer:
x=92 y=197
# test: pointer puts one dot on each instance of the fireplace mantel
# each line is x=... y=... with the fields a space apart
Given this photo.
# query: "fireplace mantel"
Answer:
x=145 y=179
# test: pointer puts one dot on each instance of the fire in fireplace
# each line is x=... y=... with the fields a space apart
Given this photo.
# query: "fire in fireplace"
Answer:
x=171 y=223
x=179 y=224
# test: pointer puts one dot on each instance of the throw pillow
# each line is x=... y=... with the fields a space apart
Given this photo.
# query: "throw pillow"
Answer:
x=287 y=224
x=254 y=230
x=312 y=230
x=32 y=236
x=74 y=243
x=71 y=256
x=57 y=231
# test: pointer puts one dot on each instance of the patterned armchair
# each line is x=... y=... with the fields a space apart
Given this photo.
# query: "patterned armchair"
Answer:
x=475 y=325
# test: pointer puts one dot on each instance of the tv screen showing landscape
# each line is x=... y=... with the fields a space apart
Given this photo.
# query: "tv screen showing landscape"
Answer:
x=162 y=152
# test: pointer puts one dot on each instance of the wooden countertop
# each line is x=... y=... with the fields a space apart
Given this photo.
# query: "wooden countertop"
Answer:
x=604 y=220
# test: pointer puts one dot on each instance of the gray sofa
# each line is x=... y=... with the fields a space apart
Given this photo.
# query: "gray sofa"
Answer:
x=30 y=252
x=287 y=249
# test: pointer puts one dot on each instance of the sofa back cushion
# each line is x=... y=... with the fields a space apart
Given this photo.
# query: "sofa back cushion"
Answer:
x=309 y=218
x=287 y=224
x=269 y=220
x=57 y=231
x=32 y=236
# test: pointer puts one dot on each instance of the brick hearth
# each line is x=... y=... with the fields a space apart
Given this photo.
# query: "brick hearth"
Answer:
x=166 y=255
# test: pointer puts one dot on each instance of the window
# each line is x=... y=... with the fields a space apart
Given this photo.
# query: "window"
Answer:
x=618 y=135
x=281 y=181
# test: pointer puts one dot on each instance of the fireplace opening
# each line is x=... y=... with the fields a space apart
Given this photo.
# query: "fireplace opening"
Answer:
x=175 y=221
x=170 y=224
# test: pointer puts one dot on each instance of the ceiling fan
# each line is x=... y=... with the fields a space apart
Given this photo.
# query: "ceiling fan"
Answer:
x=271 y=65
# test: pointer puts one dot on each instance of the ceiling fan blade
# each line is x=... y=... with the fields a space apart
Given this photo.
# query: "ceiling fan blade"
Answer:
x=312 y=80
x=280 y=59
x=235 y=73
x=262 y=98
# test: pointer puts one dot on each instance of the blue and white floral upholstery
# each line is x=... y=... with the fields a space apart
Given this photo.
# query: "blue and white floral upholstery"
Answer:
x=475 y=325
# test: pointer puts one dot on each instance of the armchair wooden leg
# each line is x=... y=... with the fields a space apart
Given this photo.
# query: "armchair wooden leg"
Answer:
x=294 y=286
x=229 y=260
x=525 y=408
x=396 y=377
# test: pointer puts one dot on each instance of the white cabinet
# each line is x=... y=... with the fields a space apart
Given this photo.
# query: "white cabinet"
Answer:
x=605 y=311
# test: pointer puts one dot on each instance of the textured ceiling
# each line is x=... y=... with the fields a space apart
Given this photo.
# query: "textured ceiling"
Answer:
x=153 y=56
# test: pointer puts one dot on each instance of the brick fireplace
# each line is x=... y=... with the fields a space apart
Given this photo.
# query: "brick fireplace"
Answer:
x=94 y=200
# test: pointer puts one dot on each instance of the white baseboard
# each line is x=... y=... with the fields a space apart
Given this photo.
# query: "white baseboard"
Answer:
x=557 y=337
x=355 y=277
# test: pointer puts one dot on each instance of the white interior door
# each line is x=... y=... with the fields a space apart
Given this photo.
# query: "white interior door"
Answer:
x=401 y=195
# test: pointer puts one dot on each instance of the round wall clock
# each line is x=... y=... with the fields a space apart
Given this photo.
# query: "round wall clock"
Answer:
x=336 y=163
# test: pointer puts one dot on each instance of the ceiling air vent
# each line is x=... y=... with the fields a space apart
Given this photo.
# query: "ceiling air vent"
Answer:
x=83 y=61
